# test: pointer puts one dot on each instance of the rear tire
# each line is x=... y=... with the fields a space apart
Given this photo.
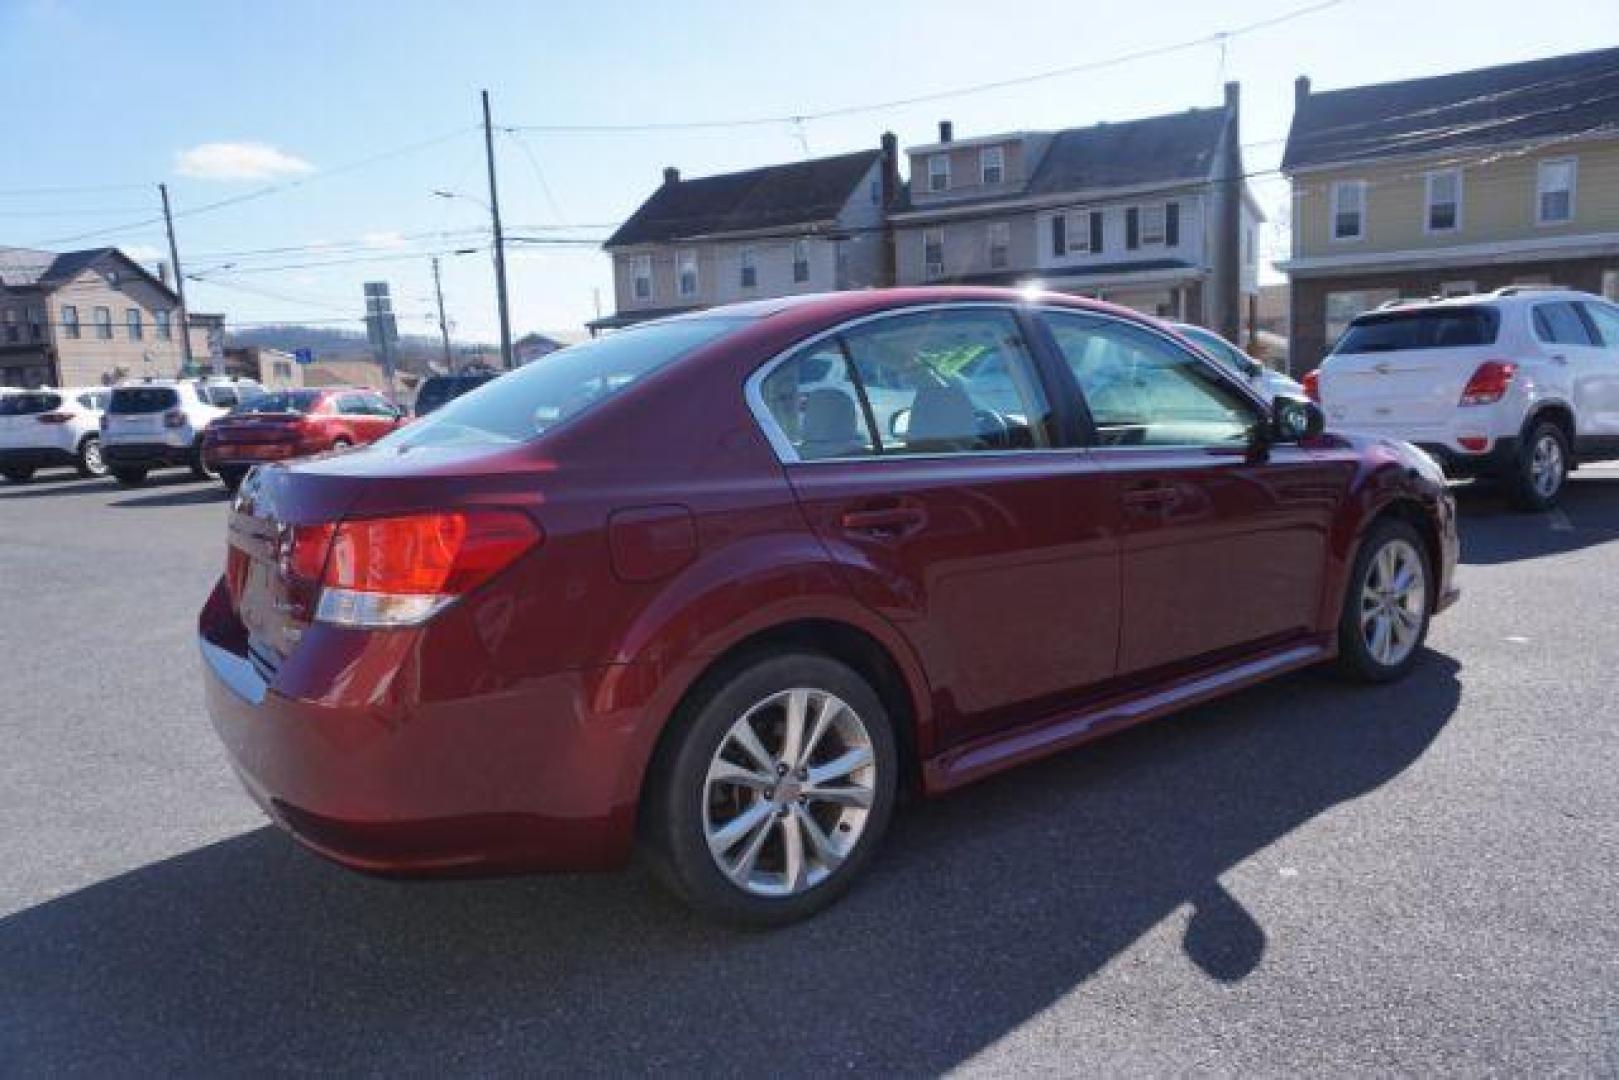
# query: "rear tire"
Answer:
x=18 y=474
x=742 y=833
x=129 y=477
x=90 y=463
x=199 y=467
x=1538 y=476
x=1387 y=604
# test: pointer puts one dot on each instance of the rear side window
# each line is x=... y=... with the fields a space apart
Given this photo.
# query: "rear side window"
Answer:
x=1560 y=324
x=29 y=404
x=225 y=397
x=442 y=388
x=1606 y=319
x=96 y=400
x=143 y=399
x=533 y=399
x=1432 y=328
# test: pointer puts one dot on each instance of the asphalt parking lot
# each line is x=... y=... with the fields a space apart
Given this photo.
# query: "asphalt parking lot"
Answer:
x=1310 y=877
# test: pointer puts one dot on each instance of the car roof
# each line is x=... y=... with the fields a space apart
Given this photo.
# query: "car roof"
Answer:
x=1518 y=297
x=836 y=306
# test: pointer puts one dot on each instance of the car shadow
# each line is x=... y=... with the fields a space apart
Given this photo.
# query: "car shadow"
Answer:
x=51 y=487
x=1493 y=531
x=984 y=908
x=211 y=492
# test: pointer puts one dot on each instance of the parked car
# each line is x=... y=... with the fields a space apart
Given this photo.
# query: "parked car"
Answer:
x=282 y=424
x=1269 y=383
x=159 y=423
x=1519 y=385
x=437 y=390
x=48 y=428
x=645 y=590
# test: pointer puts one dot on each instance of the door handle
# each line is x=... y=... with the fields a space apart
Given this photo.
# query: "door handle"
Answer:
x=1152 y=497
x=886 y=521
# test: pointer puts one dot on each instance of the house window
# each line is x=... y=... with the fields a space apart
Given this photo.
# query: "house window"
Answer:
x=1444 y=200
x=1059 y=235
x=876 y=192
x=1152 y=225
x=933 y=253
x=686 y=272
x=132 y=319
x=1554 y=191
x=1000 y=244
x=12 y=333
x=103 y=319
x=160 y=319
x=939 y=172
x=70 y=320
x=641 y=272
x=1349 y=210
x=800 y=261
x=1610 y=284
x=750 y=269
x=36 y=324
x=992 y=165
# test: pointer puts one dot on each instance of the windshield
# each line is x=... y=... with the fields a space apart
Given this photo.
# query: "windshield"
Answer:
x=1432 y=328
x=143 y=399
x=280 y=401
x=28 y=404
x=533 y=399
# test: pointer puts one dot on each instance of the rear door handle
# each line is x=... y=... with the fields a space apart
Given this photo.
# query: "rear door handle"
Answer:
x=887 y=521
x=1560 y=358
x=1151 y=497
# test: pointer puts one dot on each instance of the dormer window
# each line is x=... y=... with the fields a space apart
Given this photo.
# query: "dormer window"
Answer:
x=939 y=172
x=992 y=165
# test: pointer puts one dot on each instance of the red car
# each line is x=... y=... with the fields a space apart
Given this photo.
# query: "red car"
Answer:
x=283 y=424
x=725 y=583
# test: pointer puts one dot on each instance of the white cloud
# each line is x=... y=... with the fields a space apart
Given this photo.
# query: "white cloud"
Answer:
x=388 y=240
x=238 y=161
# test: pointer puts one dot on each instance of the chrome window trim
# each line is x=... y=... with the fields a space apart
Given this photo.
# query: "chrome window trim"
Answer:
x=787 y=455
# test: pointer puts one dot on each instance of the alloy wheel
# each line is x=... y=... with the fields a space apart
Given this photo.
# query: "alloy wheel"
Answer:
x=1546 y=466
x=1393 y=601
x=92 y=458
x=788 y=792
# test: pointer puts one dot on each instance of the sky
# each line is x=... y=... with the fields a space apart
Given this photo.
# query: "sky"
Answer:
x=326 y=126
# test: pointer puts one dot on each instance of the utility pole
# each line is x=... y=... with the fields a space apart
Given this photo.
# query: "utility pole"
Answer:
x=443 y=327
x=500 y=241
x=179 y=283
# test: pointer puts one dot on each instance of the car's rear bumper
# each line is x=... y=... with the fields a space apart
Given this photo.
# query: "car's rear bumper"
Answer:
x=145 y=455
x=35 y=457
x=1501 y=457
x=244 y=456
x=384 y=753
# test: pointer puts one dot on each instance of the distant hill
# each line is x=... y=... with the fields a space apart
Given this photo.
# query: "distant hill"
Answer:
x=415 y=353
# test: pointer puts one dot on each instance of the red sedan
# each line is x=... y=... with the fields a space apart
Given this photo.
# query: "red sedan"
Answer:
x=724 y=584
x=283 y=424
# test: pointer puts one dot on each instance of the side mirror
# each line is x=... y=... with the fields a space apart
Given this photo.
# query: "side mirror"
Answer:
x=1296 y=419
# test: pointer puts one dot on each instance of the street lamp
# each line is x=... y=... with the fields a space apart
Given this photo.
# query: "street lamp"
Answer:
x=500 y=267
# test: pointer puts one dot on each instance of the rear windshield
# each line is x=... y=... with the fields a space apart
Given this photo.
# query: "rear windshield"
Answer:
x=1433 y=328
x=280 y=401
x=143 y=399
x=29 y=404
x=536 y=398
x=439 y=389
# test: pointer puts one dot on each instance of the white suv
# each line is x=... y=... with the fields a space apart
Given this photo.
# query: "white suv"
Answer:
x=158 y=423
x=50 y=427
x=1521 y=384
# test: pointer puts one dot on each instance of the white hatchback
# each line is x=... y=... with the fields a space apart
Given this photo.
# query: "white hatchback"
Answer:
x=1520 y=385
x=50 y=428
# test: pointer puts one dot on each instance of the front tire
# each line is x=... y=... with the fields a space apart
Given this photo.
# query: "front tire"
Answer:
x=773 y=791
x=1541 y=469
x=90 y=463
x=129 y=477
x=1387 y=605
x=231 y=478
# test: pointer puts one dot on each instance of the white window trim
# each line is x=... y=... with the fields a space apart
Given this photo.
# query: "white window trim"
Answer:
x=931 y=270
x=637 y=264
x=800 y=254
x=1004 y=228
x=984 y=155
x=1428 y=179
x=1163 y=225
x=682 y=257
x=945 y=172
x=1335 y=197
x=1079 y=231
x=1573 y=164
x=747 y=260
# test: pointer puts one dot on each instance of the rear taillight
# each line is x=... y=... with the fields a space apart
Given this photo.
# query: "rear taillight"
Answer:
x=1312 y=385
x=1489 y=383
x=400 y=571
x=55 y=417
x=174 y=418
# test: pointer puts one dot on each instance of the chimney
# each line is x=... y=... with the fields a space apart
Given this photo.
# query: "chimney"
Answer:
x=947 y=131
x=671 y=175
x=1301 y=90
x=163 y=273
x=889 y=164
x=1233 y=95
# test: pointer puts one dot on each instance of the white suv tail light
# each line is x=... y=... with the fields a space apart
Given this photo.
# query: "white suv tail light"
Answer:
x=1489 y=383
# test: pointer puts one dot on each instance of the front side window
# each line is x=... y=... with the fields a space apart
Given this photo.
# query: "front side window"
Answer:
x=750 y=269
x=1000 y=244
x=160 y=320
x=641 y=274
x=992 y=165
x=104 y=323
x=800 y=260
x=1444 y=213
x=686 y=268
x=933 y=253
x=1144 y=391
x=939 y=172
x=70 y=320
x=132 y=319
x=1554 y=191
x=1560 y=324
x=1349 y=210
